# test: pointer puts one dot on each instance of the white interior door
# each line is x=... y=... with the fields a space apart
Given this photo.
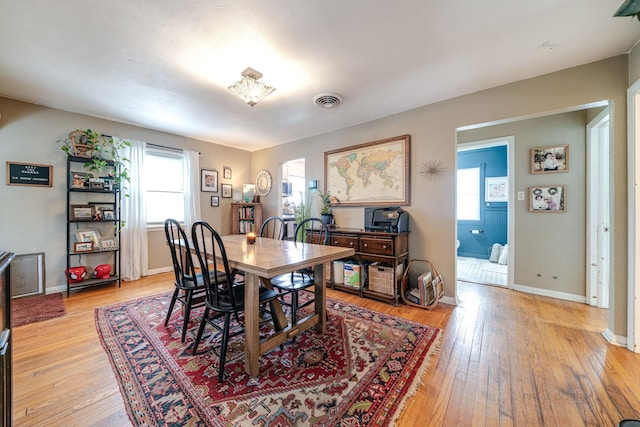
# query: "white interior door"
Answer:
x=598 y=205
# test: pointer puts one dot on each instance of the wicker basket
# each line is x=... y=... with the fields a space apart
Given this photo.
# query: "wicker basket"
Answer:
x=384 y=279
x=416 y=269
x=79 y=144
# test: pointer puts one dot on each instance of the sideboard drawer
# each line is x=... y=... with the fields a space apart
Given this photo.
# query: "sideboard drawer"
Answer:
x=372 y=245
x=344 y=240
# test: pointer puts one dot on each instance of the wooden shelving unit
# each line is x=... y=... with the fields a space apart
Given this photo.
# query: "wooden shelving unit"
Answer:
x=246 y=217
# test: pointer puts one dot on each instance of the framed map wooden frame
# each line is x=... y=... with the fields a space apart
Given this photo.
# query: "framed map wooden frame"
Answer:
x=376 y=173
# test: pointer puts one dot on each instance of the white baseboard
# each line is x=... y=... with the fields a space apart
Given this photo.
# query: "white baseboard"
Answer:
x=159 y=270
x=614 y=339
x=449 y=300
x=552 y=294
x=55 y=289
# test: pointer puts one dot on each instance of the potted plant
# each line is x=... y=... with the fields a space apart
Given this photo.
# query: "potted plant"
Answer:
x=325 y=210
x=105 y=160
x=302 y=212
x=81 y=143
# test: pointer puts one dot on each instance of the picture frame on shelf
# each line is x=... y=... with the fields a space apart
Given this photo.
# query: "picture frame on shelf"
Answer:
x=108 y=243
x=108 y=215
x=79 y=180
x=226 y=190
x=83 y=247
x=209 y=180
x=100 y=206
x=88 y=235
x=215 y=201
x=548 y=199
x=550 y=159
x=81 y=212
x=226 y=172
x=96 y=185
x=108 y=184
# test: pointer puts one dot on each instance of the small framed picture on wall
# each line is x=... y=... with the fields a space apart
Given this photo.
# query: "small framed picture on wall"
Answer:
x=227 y=172
x=215 y=201
x=226 y=190
x=209 y=180
x=548 y=199
x=550 y=159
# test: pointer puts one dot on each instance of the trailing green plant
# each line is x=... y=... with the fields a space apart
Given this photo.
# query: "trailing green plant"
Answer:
x=106 y=159
x=112 y=162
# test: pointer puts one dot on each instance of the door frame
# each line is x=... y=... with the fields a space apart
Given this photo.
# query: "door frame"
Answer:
x=633 y=216
x=598 y=267
x=509 y=141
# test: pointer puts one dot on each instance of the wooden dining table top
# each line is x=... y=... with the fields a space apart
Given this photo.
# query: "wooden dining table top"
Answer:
x=269 y=258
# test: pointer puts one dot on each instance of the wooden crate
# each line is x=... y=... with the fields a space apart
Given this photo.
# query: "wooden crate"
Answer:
x=383 y=279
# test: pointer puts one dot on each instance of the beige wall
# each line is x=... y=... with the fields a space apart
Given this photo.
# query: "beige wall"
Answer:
x=433 y=131
x=33 y=219
x=541 y=239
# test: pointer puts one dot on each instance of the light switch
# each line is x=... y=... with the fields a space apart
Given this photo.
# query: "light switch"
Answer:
x=520 y=195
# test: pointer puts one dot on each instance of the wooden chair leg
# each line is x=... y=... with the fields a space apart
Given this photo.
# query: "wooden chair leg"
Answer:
x=203 y=323
x=174 y=297
x=223 y=347
x=187 y=314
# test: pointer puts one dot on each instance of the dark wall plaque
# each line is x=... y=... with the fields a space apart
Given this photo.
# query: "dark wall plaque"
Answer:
x=29 y=174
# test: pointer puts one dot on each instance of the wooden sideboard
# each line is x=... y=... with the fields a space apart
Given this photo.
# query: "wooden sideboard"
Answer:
x=388 y=250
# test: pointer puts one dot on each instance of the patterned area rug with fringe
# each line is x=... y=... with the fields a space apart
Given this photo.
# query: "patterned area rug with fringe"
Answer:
x=360 y=373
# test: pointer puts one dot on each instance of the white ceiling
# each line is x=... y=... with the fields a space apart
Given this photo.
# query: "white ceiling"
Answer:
x=166 y=65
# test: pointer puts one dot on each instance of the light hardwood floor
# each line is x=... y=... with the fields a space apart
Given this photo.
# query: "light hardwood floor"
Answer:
x=506 y=358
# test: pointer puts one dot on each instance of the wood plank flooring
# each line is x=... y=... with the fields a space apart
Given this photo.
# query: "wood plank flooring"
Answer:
x=506 y=358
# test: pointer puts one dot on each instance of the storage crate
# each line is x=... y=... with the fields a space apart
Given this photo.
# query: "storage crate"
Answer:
x=383 y=279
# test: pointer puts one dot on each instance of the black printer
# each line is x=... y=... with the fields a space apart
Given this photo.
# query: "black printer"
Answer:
x=390 y=219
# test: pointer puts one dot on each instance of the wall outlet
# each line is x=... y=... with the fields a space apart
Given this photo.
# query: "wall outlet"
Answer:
x=520 y=195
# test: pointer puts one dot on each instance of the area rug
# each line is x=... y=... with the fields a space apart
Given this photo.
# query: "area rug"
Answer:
x=360 y=373
x=36 y=308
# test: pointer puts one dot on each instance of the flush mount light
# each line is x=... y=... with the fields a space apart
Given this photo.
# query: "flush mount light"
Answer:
x=249 y=88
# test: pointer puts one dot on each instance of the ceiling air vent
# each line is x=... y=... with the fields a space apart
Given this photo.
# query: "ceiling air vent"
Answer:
x=327 y=100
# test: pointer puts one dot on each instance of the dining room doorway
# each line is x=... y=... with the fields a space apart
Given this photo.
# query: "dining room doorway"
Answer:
x=293 y=192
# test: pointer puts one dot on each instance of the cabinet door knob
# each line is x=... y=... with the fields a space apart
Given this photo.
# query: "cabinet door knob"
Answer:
x=335 y=243
x=384 y=246
x=350 y=243
x=366 y=245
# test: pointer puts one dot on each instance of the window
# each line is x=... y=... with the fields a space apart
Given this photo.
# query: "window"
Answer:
x=468 y=194
x=163 y=185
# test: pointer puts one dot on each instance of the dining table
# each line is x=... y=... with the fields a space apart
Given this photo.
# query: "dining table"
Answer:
x=263 y=260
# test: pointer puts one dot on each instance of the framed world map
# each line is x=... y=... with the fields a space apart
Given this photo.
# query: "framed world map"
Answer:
x=375 y=173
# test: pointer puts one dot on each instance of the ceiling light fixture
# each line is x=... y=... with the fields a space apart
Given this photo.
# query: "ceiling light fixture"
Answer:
x=629 y=8
x=249 y=88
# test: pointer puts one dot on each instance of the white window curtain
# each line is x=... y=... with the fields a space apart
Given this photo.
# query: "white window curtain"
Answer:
x=133 y=242
x=191 y=168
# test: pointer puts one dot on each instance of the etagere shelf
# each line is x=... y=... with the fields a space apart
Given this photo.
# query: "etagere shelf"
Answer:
x=93 y=228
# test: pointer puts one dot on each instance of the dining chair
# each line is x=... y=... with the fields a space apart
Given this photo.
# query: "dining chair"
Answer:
x=273 y=228
x=302 y=280
x=189 y=286
x=224 y=297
